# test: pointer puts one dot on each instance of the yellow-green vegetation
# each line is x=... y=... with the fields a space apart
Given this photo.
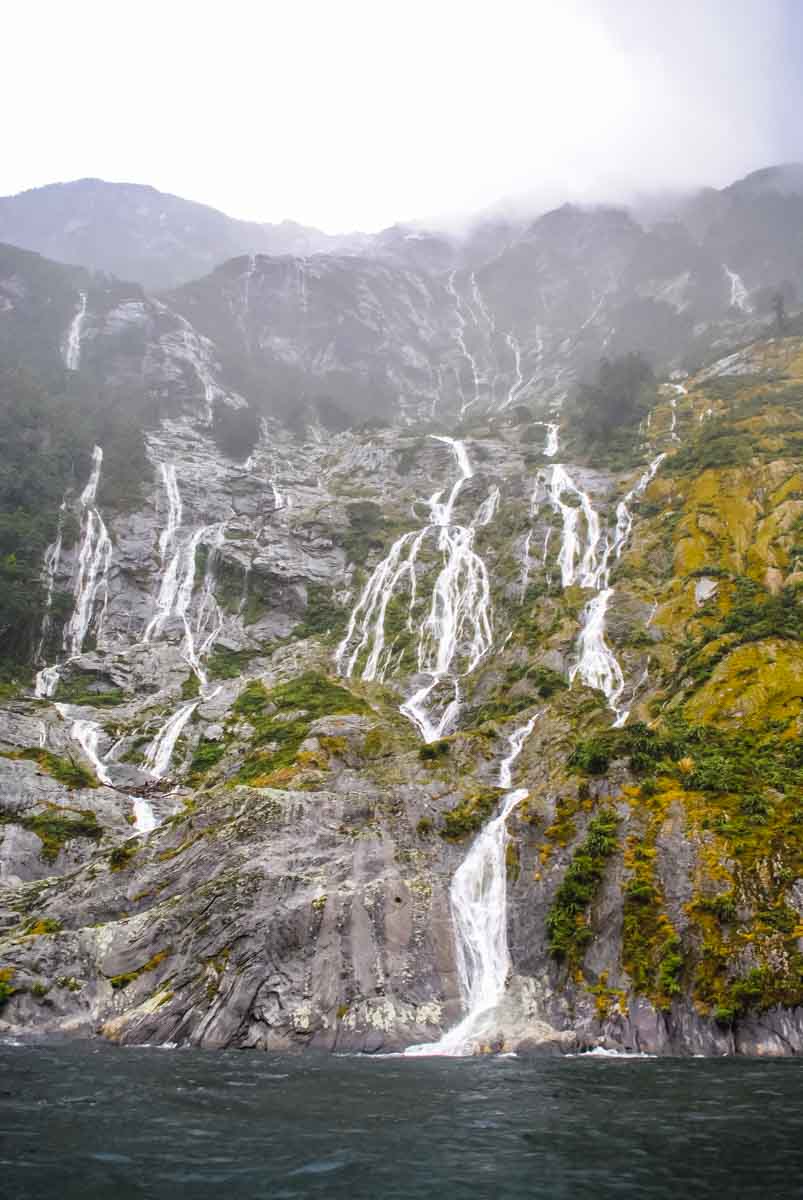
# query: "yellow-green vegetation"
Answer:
x=433 y=752
x=77 y=690
x=323 y=616
x=120 y=857
x=191 y=687
x=7 y=988
x=568 y=926
x=56 y=826
x=65 y=770
x=122 y=981
x=206 y=757
x=651 y=947
x=42 y=925
x=538 y=683
x=282 y=717
x=227 y=664
x=469 y=816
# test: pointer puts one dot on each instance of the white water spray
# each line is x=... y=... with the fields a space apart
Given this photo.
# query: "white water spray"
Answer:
x=160 y=752
x=739 y=298
x=458 y=624
x=72 y=346
x=596 y=663
x=460 y=338
x=478 y=901
x=87 y=735
x=91 y=584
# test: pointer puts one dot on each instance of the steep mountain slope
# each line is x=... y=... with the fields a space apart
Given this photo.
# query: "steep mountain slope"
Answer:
x=411 y=321
x=137 y=232
x=320 y=669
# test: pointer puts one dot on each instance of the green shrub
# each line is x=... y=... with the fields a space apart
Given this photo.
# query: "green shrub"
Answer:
x=282 y=717
x=568 y=930
x=432 y=751
x=207 y=755
x=56 y=826
x=65 y=770
x=470 y=816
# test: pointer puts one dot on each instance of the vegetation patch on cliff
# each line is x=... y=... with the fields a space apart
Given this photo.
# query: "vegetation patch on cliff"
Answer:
x=281 y=719
x=568 y=926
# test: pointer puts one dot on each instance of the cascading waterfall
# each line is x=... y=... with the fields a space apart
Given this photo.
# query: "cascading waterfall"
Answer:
x=459 y=619
x=576 y=564
x=160 y=752
x=91 y=579
x=677 y=390
x=94 y=559
x=460 y=338
x=72 y=346
x=51 y=567
x=519 y=387
x=478 y=902
x=174 y=599
x=739 y=296
x=584 y=558
x=596 y=663
x=87 y=734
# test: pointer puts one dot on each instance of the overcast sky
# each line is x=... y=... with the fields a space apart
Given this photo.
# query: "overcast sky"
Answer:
x=355 y=114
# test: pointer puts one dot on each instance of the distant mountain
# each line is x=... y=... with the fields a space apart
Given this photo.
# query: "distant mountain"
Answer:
x=136 y=232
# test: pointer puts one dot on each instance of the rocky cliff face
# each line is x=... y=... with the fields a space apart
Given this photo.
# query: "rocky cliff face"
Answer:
x=273 y=711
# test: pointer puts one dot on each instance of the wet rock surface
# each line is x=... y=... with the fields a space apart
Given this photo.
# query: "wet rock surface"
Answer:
x=293 y=886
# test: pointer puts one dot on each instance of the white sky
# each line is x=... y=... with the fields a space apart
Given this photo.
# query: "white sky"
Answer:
x=353 y=114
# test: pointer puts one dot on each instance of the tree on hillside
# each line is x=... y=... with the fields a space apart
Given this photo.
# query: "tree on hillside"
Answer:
x=601 y=412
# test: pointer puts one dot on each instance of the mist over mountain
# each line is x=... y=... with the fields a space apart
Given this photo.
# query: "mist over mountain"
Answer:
x=403 y=323
x=136 y=232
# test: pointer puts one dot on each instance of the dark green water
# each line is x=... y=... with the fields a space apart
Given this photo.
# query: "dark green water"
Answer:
x=89 y=1120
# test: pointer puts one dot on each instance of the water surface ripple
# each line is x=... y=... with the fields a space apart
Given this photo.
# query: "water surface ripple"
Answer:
x=84 y=1120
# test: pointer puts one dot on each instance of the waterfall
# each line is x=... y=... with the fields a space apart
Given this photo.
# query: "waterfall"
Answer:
x=51 y=566
x=584 y=571
x=596 y=663
x=461 y=342
x=178 y=580
x=87 y=734
x=72 y=346
x=174 y=599
x=144 y=816
x=677 y=390
x=478 y=902
x=458 y=623
x=525 y=565
x=160 y=752
x=518 y=382
x=739 y=296
x=91 y=580
x=519 y=387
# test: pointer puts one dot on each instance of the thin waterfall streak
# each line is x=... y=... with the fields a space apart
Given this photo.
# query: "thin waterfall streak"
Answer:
x=160 y=751
x=87 y=735
x=72 y=346
x=91 y=582
x=596 y=664
x=525 y=565
x=461 y=342
x=455 y=632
